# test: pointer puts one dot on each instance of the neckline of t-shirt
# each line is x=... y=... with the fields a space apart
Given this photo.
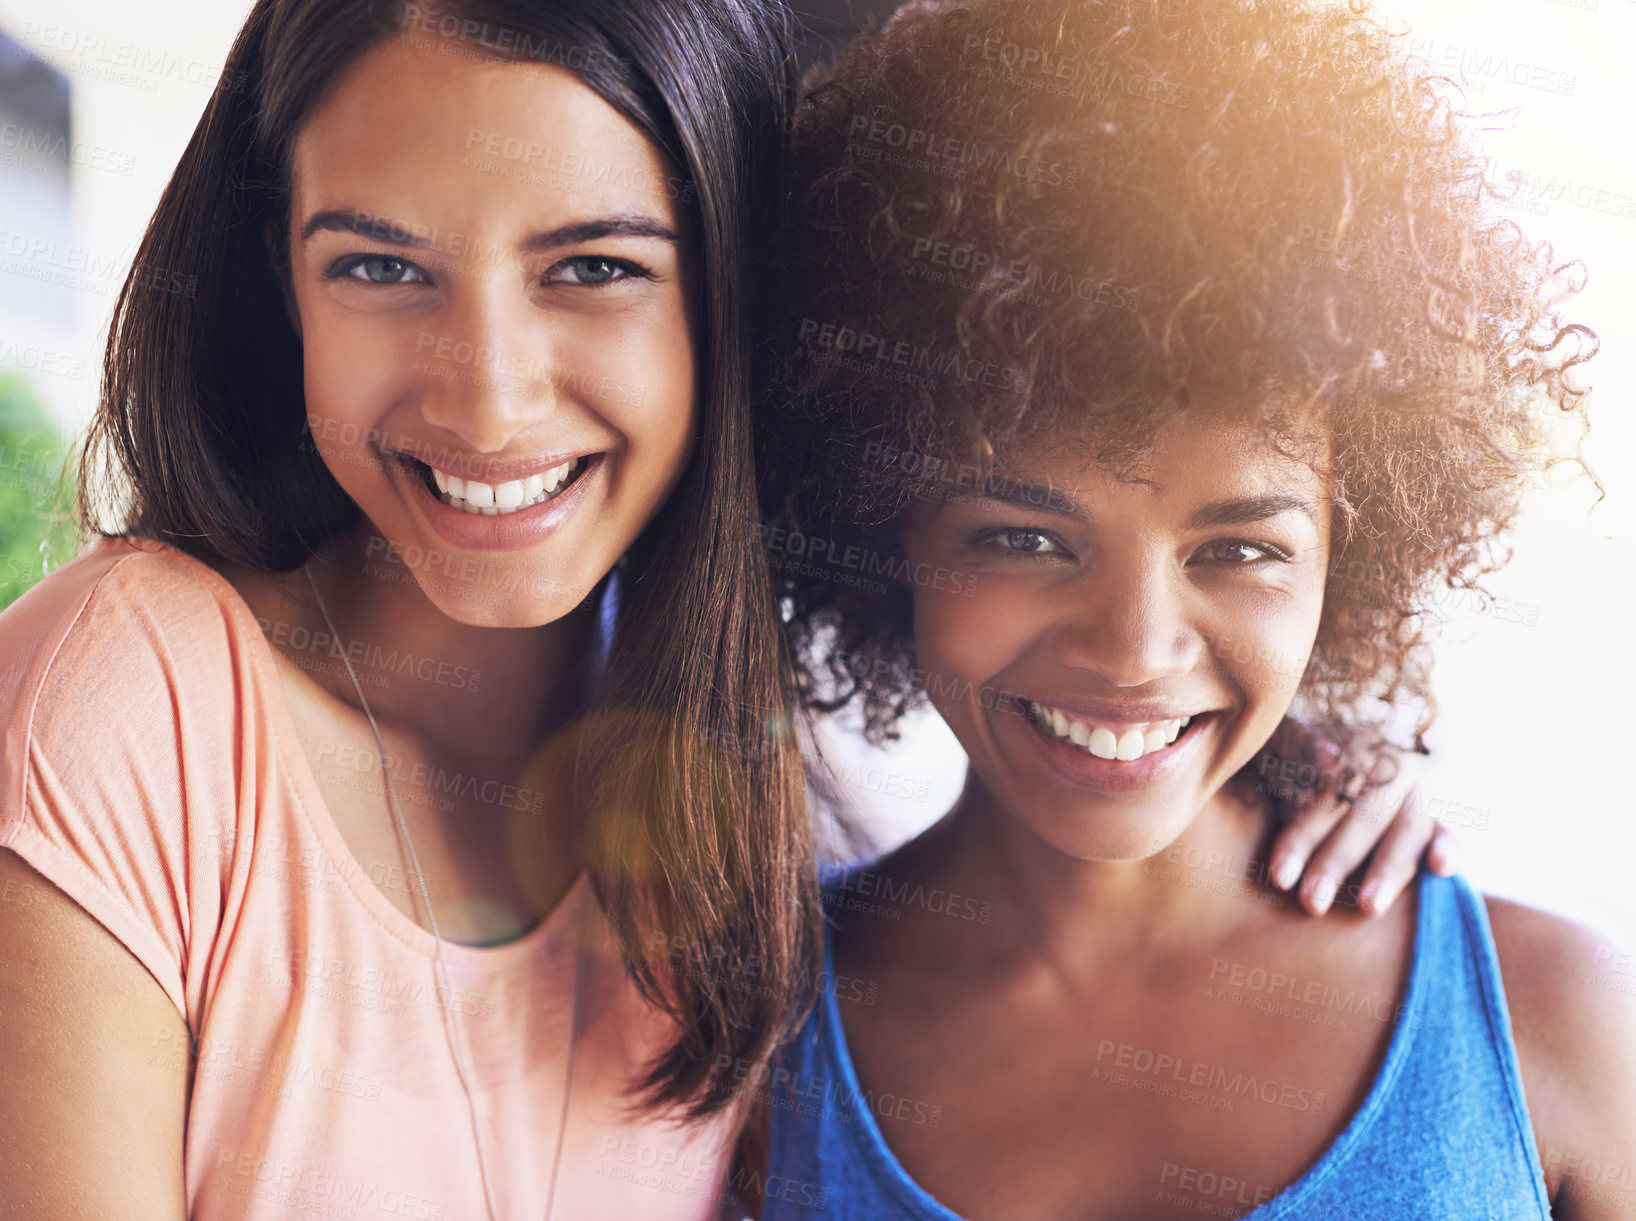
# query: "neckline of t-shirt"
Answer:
x=871 y=1141
x=316 y=811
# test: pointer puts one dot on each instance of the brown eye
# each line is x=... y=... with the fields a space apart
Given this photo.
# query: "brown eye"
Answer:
x=1028 y=542
x=1238 y=553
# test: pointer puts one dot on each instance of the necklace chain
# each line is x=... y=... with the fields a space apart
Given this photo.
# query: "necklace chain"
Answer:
x=450 y=1020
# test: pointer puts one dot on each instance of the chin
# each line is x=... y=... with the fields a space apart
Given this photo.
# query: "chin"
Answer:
x=501 y=599
x=1091 y=834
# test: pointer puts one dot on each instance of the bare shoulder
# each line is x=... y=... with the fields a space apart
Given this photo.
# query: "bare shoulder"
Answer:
x=879 y=911
x=1571 y=994
x=92 y=1101
x=1571 y=991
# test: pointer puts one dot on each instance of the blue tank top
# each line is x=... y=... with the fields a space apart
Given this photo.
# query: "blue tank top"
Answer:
x=1443 y=1134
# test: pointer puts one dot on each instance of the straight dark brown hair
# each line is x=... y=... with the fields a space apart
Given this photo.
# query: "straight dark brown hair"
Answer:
x=688 y=784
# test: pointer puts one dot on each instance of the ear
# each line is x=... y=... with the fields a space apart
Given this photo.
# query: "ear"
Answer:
x=278 y=256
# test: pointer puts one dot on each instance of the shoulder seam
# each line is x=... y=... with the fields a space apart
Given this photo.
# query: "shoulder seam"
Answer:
x=33 y=695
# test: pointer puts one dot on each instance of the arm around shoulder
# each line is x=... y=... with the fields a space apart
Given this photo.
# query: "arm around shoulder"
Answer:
x=1575 y=1031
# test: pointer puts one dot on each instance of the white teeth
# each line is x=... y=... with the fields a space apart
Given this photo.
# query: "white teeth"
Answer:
x=498 y=500
x=1102 y=742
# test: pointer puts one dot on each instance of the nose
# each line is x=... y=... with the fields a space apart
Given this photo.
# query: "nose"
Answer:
x=1126 y=620
x=486 y=367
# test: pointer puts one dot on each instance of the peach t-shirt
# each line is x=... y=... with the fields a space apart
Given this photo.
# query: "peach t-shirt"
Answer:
x=153 y=773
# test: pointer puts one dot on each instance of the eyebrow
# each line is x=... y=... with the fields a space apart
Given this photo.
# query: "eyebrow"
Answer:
x=351 y=220
x=1247 y=509
x=1237 y=512
x=1032 y=496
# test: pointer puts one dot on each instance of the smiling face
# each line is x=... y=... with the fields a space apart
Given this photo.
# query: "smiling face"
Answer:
x=1129 y=644
x=493 y=287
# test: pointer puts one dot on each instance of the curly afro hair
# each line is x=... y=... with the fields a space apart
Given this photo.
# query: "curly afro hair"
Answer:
x=1012 y=218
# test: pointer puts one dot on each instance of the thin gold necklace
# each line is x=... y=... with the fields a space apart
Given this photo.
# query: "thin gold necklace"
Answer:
x=450 y=1021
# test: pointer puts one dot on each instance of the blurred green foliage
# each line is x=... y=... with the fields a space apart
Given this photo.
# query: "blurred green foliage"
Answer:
x=37 y=530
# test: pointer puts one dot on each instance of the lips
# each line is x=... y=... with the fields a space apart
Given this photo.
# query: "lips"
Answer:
x=1107 y=738
x=1112 y=776
x=498 y=499
x=488 y=470
x=470 y=527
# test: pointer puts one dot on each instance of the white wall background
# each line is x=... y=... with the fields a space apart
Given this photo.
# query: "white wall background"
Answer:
x=1537 y=722
x=139 y=73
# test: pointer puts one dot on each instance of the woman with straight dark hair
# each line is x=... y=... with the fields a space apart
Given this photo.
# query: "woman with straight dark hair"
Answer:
x=368 y=852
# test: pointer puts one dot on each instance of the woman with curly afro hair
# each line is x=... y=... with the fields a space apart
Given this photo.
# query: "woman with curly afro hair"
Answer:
x=1155 y=366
